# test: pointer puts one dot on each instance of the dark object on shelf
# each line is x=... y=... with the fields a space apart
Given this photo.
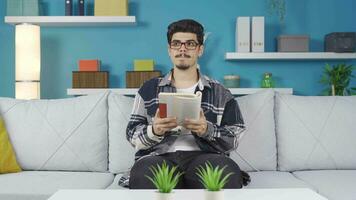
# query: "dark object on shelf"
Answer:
x=81 y=7
x=135 y=79
x=340 y=42
x=90 y=79
x=68 y=7
x=293 y=43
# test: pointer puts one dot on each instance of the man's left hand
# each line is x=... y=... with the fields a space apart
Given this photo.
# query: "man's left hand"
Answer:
x=199 y=126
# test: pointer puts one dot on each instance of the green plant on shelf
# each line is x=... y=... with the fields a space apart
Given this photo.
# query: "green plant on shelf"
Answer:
x=211 y=177
x=337 y=79
x=164 y=178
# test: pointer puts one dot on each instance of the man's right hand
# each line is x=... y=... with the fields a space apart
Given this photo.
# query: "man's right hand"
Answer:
x=162 y=125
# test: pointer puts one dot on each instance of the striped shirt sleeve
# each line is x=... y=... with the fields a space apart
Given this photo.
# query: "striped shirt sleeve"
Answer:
x=139 y=131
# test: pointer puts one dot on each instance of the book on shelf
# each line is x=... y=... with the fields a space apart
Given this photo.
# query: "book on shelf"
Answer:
x=180 y=105
x=68 y=7
x=243 y=34
x=81 y=7
x=258 y=34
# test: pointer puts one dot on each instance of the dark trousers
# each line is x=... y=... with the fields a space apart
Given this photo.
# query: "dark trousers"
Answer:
x=187 y=162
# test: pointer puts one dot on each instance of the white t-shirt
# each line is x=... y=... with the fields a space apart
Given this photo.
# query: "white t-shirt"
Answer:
x=185 y=141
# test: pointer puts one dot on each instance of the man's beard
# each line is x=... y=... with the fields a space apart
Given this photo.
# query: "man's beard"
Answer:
x=183 y=66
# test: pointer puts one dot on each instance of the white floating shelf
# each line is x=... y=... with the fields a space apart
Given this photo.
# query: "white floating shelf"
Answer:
x=289 y=56
x=86 y=91
x=133 y=91
x=244 y=91
x=63 y=21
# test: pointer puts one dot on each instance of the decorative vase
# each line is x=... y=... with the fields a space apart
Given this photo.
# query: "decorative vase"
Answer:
x=267 y=81
x=214 y=195
x=164 y=196
x=23 y=8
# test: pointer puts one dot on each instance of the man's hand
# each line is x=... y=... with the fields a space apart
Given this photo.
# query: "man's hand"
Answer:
x=199 y=126
x=162 y=125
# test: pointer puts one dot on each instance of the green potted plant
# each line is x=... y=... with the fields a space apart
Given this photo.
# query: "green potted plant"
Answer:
x=165 y=180
x=337 y=79
x=213 y=180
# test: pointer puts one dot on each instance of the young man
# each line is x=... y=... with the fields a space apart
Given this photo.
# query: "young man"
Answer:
x=210 y=138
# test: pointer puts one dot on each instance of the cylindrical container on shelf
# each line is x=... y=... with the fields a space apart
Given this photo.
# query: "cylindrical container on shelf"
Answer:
x=232 y=81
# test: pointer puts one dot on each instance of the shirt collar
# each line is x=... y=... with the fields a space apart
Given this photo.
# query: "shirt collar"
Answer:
x=203 y=80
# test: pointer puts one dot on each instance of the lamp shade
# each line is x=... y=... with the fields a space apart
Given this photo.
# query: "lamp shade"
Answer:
x=27 y=61
x=27 y=90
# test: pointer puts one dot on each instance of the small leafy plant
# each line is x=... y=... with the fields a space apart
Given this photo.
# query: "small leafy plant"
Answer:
x=211 y=177
x=278 y=7
x=337 y=79
x=164 y=177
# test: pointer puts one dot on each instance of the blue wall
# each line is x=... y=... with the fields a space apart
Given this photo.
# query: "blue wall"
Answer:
x=117 y=47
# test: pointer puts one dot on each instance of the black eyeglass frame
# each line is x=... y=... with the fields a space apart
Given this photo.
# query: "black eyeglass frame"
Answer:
x=185 y=44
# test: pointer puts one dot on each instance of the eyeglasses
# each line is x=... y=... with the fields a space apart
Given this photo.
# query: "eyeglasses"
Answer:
x=190 y=44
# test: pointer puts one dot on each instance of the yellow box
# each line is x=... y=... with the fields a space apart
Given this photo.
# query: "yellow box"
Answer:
x=144 y=65
x=111 y=8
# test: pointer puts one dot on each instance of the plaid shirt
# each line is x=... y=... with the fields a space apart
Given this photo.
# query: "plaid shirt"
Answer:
x=224 y=120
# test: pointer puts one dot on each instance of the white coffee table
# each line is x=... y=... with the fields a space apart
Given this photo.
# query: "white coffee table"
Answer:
x=230 y=194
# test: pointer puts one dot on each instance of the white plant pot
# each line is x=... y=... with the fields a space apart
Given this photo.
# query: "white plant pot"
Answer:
x=214 y=195
x=164 y=196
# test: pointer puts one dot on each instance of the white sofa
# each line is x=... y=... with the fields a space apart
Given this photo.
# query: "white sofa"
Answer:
x=80 y=143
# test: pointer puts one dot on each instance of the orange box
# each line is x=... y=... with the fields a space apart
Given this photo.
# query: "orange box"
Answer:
x=89 y=65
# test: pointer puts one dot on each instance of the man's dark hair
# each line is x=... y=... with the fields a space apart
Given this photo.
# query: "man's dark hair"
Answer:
x=186 y=26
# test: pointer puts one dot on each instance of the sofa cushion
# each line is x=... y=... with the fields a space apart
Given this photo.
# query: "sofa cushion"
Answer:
x=40 y=185
x=63 y=134
x=275 y=179
x=121 y=153
x=315 y=132
x=8 y=162
x=333 y=184
x=257 y=147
